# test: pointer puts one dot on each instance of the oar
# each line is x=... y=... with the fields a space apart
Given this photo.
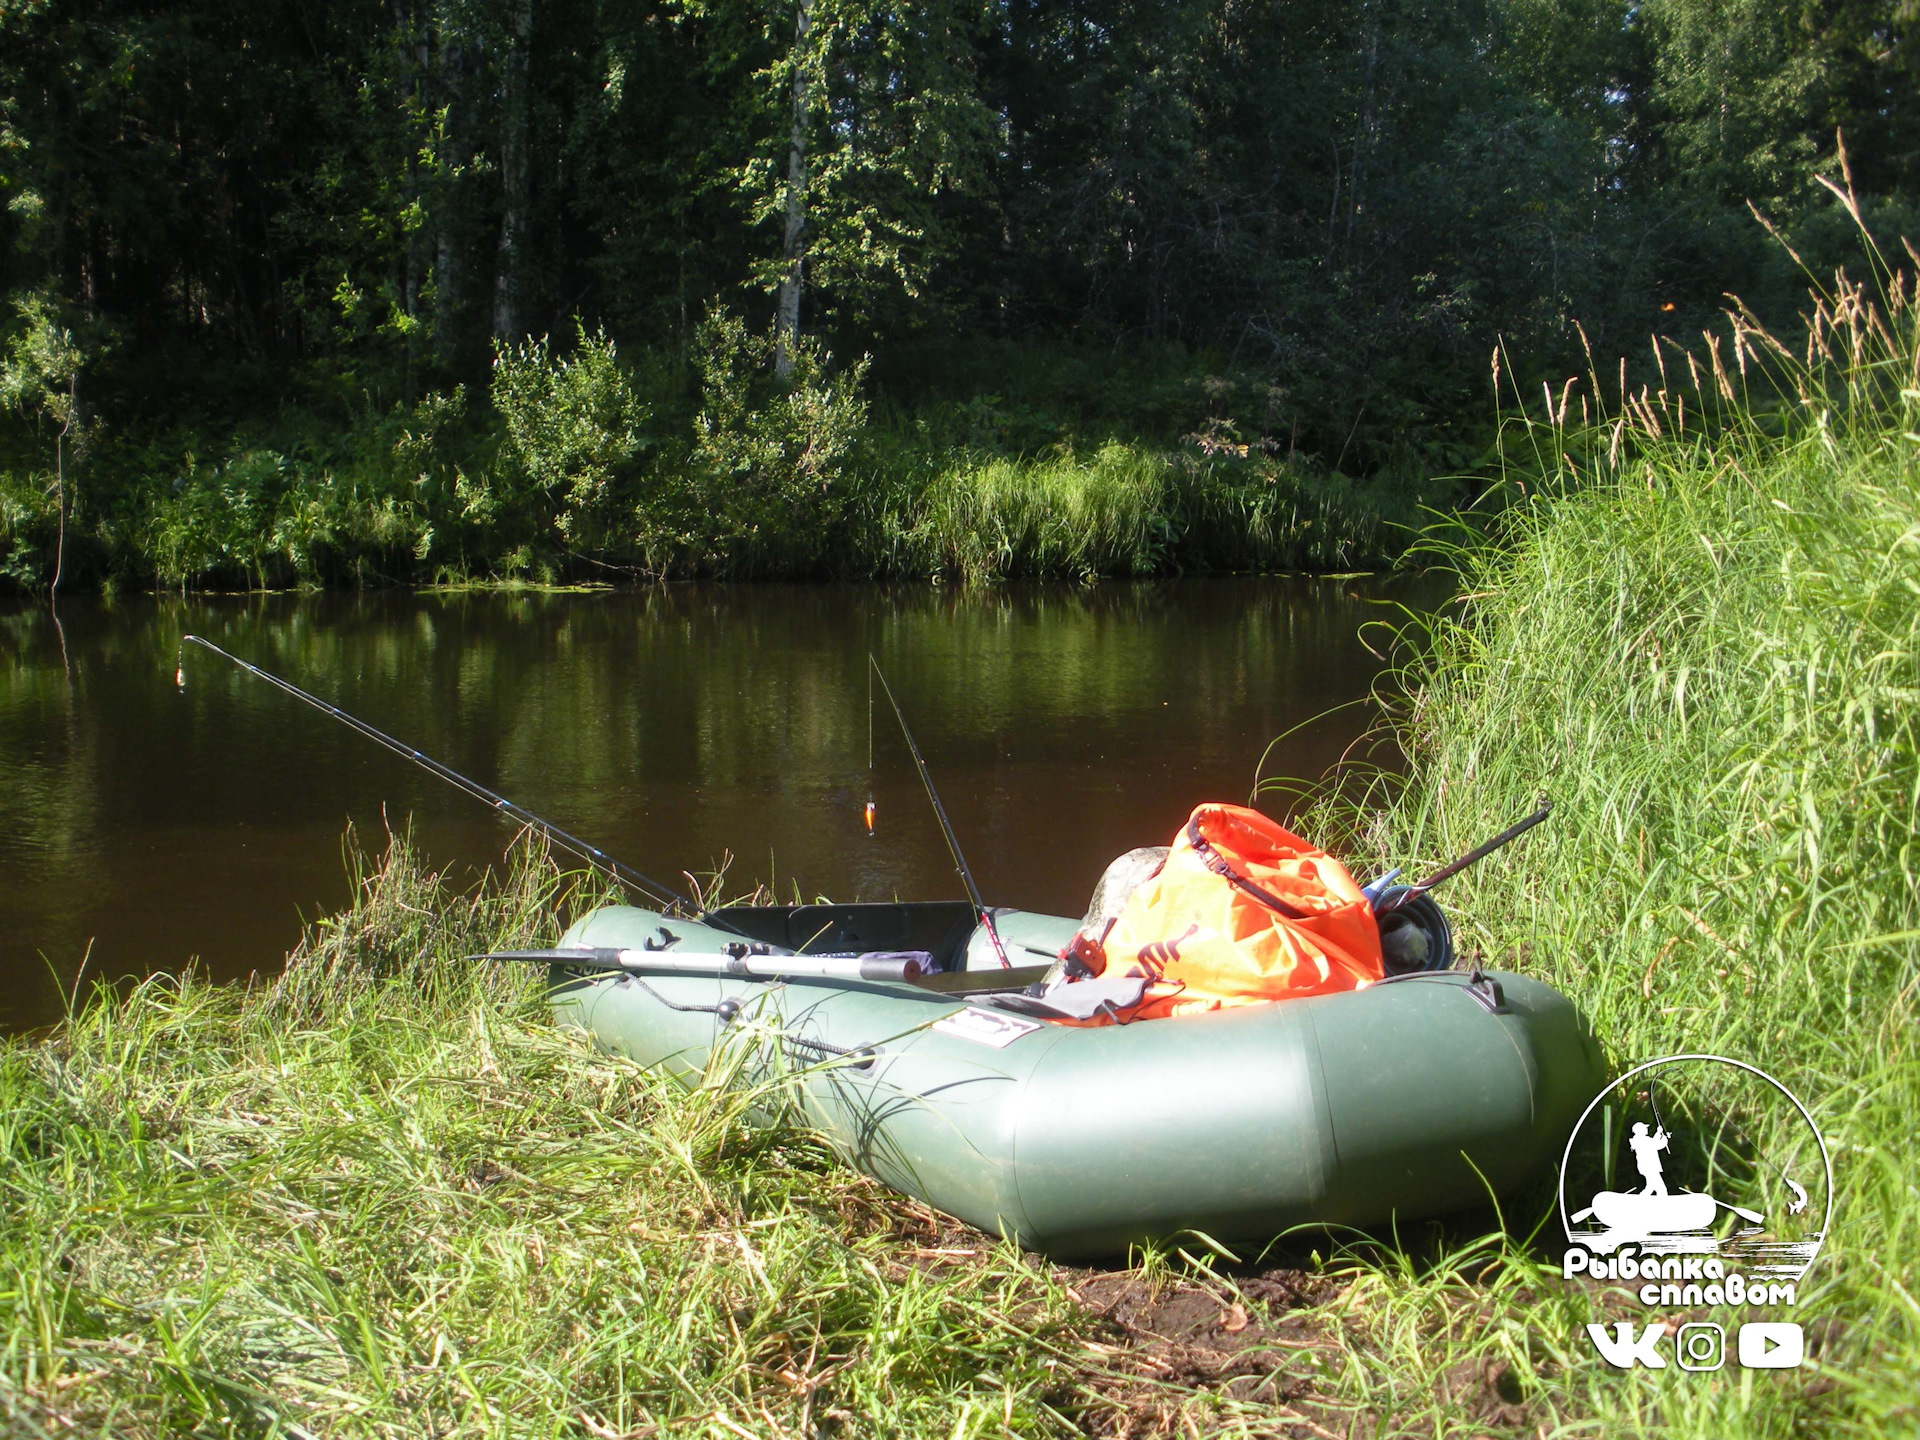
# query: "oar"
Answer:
x=893 y=967
x=882 y=967
x=1745 y=1214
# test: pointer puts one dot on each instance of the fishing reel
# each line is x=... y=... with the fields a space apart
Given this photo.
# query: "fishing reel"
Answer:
x=1414 y=933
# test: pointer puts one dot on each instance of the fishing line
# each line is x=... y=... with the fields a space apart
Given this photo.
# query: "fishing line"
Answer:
x=660 y=893
x=870 y=749
x=1794 y=1208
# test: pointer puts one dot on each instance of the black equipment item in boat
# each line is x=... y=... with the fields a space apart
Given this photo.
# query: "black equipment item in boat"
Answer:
x=1472 y=857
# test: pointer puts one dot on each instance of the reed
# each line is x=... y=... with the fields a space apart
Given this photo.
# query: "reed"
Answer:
x=1699 y=631
x=1131 y=510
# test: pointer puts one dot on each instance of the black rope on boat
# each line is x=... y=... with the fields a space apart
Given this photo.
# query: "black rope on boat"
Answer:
x=862 y=1058
x=813 y=1052
x=726 y=1009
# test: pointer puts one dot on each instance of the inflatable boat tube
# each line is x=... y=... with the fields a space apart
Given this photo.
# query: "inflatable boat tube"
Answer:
x=1417 y=1096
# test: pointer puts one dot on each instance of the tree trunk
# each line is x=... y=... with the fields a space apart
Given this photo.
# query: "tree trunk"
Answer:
x=448 y=276
x=60 y=485
x=516 y=172
x=786 y=329
x=411 y=26
x=1363 y=140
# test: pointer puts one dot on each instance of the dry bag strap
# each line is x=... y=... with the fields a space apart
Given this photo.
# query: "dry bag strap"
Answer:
x=1217 y=863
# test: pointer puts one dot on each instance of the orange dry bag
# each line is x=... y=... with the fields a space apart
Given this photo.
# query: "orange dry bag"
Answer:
x=1243 y=911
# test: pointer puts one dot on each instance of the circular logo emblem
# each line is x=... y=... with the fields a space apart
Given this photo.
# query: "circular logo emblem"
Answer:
x=1698 y=1155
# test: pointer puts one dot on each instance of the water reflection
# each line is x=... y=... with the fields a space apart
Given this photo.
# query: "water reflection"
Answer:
x=672 y=727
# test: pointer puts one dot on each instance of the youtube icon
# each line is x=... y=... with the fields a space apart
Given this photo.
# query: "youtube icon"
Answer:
x=1771 y=1345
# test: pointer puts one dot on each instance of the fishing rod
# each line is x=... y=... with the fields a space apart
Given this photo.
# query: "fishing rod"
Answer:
x=1472 y=857
x=573 y=844
x=946 y=826
x=1660 y=1128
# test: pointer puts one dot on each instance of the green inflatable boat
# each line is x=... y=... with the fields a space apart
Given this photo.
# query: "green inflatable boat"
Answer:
x=923 y=1062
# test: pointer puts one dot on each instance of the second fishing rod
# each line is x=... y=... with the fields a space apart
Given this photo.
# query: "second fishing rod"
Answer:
x=655 y=890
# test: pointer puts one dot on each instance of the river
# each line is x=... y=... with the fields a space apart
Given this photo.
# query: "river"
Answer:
x=150 y=823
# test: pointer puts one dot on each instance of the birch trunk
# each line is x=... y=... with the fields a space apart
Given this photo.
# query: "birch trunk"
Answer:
x=786 y=328
x=60 y=483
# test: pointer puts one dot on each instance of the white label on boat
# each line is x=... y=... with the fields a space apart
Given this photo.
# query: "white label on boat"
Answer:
x=986 y=1027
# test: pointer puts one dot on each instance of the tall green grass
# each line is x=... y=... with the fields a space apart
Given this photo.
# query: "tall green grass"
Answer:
x=1127 y=510
x=384 y=1196
x=1700 y=634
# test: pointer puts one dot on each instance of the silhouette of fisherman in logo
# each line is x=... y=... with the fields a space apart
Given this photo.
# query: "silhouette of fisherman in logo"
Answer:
x=1646 y=1154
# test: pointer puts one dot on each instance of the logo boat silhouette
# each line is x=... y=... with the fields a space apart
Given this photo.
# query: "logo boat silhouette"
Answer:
x=1642 y=1214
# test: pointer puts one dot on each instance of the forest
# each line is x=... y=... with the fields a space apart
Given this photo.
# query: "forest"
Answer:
x=450 y=291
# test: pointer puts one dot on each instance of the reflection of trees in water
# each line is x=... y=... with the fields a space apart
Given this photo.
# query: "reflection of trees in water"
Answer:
x=668 y=724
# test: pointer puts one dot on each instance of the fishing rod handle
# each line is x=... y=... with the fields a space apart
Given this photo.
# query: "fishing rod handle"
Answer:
x=1472 y=857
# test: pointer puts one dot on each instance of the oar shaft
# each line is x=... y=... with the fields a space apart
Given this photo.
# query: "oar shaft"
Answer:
x=881 y=967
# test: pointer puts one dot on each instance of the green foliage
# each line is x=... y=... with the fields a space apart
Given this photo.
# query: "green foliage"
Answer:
x=574 y=428
x=774 y=459
x=303 y=221
x=40 y=364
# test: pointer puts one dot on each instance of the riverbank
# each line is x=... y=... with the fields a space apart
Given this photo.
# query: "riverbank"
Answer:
x=384 y=1196
x=577 y=463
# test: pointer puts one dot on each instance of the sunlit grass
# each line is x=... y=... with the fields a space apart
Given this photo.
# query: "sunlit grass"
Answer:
x=1129 y=510
x=385 y=1196
x=1704 y=644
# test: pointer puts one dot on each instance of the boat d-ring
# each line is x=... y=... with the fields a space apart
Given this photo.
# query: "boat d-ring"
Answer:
x=1484 y=988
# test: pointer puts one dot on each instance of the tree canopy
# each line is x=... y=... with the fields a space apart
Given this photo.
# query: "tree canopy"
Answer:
x=1345 y=204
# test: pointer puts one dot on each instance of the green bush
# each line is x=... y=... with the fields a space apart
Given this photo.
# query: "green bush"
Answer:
x=573 y=429
x=774 y=460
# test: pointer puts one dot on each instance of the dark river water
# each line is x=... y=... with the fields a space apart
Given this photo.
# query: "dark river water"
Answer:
x=147 y=825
